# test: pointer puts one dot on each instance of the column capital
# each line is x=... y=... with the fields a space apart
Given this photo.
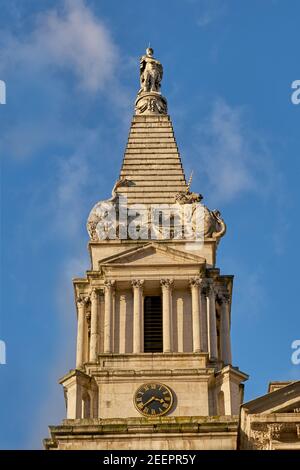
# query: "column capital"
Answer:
x=95 y=291
x=222 y=293
x=166 y=283
x=137 y=283
x=82 y=300
x=109 y=283
x=196 y=282
x=223 y=297
x=210 y=286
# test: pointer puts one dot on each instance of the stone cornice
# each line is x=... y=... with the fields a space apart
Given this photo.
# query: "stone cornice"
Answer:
x=233 y=373
x=95 y=428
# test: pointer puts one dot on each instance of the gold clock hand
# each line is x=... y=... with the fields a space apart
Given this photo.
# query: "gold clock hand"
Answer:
x=161 y=400
x=149 y=401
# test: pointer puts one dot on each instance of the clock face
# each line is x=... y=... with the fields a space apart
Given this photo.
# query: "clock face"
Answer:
x=153 y=399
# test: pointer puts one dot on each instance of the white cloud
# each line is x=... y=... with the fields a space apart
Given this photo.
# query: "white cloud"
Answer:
x=211 y=11
x=68 y=57
x=72 y=38
x=232 y=160
x=68 y=201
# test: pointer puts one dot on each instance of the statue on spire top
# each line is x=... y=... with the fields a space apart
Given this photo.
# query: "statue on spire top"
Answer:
x=151 y=72
x=149 y=98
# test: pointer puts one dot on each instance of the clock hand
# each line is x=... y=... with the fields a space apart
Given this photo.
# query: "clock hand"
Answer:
x=149 y=401
x=161 y=400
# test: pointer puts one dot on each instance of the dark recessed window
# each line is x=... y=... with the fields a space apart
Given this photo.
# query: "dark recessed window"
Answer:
x=153 y=337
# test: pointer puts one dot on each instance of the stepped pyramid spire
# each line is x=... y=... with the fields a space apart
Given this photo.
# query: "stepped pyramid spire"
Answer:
x=151 y=172
x=151 y=164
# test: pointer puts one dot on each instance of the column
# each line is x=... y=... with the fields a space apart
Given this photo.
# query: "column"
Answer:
x=108 y=304
x=212 y=323
x=180 y=321
x=225 y=329
x=101 y=310
x=137 y=285
x=203 y=318
x=80 y=331
x=122 y=324
x=194 y=285
x=166 y=285
x=95 y=333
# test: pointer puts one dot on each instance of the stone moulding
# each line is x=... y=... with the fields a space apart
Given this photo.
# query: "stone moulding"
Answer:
x=173 y=426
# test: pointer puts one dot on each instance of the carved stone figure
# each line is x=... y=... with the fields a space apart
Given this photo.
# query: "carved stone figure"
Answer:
x=151 y=72
x=150 y=99
x=218 y=225
x=214 y=225
x=96 y=214
x=188 y=197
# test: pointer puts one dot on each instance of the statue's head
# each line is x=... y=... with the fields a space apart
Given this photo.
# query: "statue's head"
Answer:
x=149 y=51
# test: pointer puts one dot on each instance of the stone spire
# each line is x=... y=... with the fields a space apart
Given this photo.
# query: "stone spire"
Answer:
x=152 y=171
x=151 y=165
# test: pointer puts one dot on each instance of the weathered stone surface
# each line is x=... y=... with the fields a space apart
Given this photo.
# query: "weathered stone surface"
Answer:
x=191 y=433
x=272 y=421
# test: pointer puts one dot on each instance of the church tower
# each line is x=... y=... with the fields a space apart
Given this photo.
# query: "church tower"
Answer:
x=153 y=360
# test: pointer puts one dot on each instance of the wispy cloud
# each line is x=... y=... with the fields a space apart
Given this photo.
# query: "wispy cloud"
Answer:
x=67 y=60
x=71 y=38
x=232 y=158
x=74 y=173
x=210 y=11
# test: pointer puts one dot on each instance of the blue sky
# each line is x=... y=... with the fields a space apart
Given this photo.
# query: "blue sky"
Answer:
x=71 y=71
